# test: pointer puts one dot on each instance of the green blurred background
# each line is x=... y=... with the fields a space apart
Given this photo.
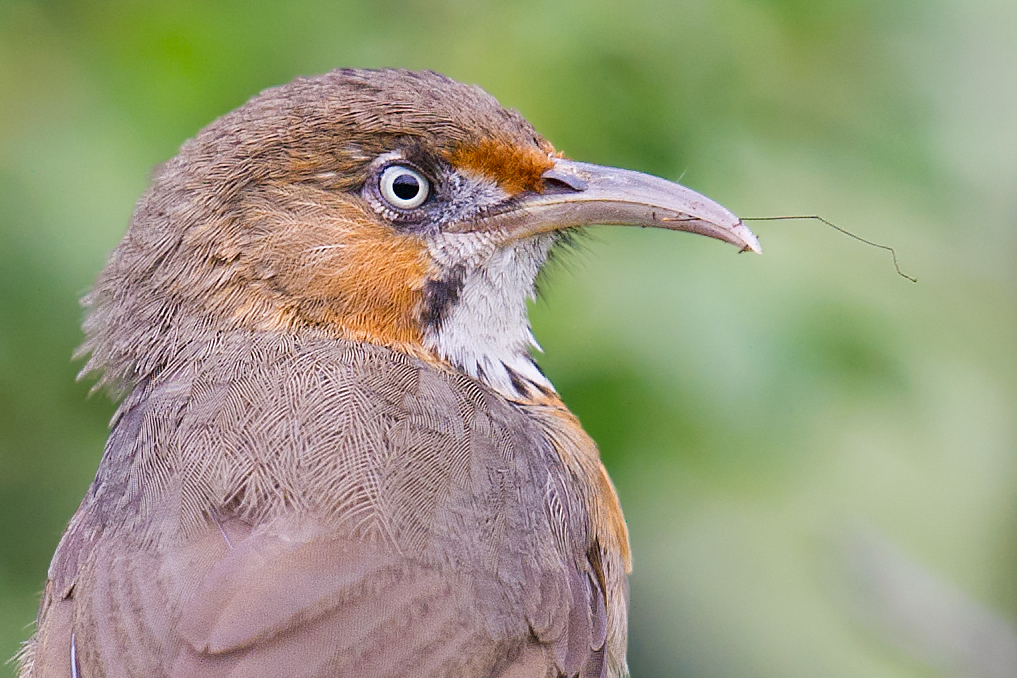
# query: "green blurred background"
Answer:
x=816 y=457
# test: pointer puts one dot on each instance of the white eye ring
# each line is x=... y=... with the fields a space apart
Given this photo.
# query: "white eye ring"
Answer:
x=403 y=187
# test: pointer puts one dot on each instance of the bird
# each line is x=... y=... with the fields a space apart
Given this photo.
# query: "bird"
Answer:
x=333 y=452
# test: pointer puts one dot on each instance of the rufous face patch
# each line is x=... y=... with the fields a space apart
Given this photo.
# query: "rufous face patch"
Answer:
x=515 y=168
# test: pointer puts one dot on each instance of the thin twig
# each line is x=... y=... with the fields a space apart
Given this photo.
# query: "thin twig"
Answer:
x=892 y=251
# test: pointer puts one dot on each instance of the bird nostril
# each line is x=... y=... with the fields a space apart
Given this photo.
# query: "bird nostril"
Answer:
x=552 y=185
x=562 y=179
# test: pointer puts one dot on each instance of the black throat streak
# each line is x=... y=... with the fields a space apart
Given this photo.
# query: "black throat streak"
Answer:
x=440 y=295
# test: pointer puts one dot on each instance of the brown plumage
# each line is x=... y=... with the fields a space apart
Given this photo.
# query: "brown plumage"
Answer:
x=334 y=455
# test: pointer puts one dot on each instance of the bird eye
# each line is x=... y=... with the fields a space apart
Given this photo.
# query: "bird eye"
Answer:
x=403 y=187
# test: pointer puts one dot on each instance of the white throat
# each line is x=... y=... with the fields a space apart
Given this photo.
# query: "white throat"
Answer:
x=486 y=332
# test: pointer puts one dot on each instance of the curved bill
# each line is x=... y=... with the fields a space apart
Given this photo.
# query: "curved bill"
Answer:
x=581 y=194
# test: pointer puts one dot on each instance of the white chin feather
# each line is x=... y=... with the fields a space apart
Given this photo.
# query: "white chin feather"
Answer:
x=486 y=333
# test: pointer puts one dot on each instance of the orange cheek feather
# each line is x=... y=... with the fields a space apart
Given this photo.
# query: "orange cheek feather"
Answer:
x=333 y=266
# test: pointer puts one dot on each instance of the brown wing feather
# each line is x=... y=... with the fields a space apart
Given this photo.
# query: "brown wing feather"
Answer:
x=303 y=508
x=310 y=606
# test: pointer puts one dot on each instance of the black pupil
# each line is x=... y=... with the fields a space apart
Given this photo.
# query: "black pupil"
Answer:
x=406 y=186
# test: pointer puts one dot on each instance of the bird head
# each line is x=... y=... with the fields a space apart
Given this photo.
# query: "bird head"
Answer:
x=398 y=208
